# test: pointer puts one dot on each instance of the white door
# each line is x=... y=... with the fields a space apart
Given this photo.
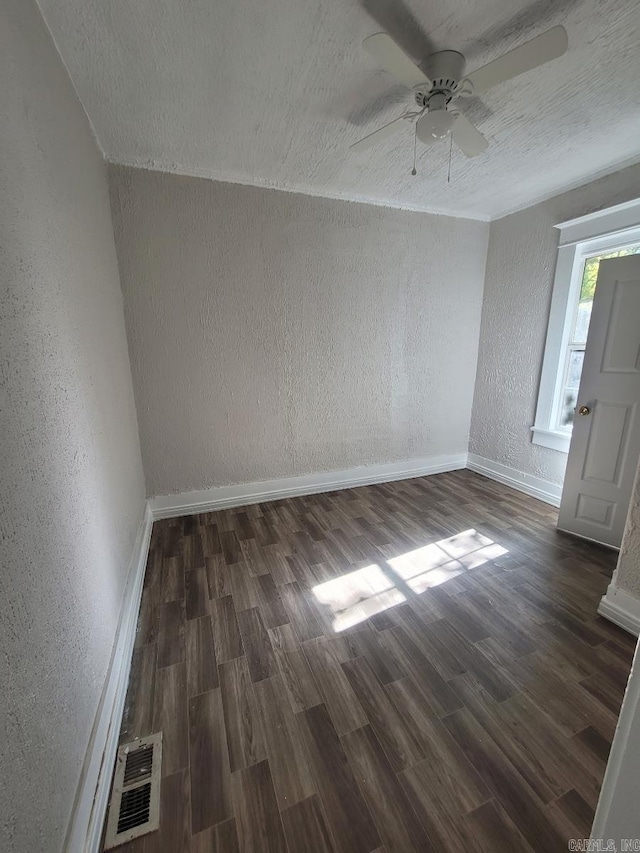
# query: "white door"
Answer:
x=605 y=444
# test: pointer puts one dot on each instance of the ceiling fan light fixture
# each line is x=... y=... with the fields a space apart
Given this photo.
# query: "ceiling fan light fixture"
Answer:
x=434 y=125
x=447 y=80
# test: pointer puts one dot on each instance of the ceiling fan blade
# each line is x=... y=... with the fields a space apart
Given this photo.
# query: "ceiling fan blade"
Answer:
x=379 y=135
x=394 y=60
x=543 y=48
x=468 y=138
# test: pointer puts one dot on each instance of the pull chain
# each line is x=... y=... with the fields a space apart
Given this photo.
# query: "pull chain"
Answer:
x=415 y=137
x=450 y=150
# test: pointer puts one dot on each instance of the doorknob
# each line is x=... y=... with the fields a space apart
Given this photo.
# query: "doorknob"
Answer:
x=584 y=410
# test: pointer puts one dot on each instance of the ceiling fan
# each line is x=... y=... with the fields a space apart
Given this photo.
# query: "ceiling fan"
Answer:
x=443 y=81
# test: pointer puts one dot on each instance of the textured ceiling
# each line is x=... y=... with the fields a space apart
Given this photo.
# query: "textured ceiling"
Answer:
x=273 y=93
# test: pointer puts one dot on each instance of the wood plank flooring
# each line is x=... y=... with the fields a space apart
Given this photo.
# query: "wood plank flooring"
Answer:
x=414 y=666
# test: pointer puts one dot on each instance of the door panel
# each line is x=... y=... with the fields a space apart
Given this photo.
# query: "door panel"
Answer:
x=595 y=510
x=605 y=444
x=622 y=347
x=608 y=440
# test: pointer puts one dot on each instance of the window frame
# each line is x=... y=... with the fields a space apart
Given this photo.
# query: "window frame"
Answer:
x=579 y=239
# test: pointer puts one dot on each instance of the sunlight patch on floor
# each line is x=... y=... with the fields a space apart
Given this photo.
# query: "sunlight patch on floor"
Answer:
x=354 y=597
x=367 y=608
x=347 y=590
x=435 y=577
x=439 y=562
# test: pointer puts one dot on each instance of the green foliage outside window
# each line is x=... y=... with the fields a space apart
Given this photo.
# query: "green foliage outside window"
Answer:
x=590 y=274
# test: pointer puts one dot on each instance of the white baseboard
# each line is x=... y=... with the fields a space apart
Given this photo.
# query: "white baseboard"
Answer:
x=92 y=797
x=543 y=490
x=621 y=608
x=223 y=497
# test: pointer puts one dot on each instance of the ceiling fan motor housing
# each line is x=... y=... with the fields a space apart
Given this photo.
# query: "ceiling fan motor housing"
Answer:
x=445 y=69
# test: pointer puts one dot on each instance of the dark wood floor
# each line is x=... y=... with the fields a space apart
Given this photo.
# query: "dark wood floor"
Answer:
x=416 y=666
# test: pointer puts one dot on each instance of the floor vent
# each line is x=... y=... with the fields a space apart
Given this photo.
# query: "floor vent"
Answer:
x=135 y=800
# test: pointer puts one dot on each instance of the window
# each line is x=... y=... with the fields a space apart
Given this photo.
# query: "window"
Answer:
x=579 y=317
x=583 y=244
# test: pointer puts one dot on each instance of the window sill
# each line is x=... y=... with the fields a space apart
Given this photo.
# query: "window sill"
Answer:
x=551 y=438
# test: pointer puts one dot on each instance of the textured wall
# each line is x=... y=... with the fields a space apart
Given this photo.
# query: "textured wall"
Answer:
x=71 y=485
x=274 y=334
x=627 y=575
x=517 y=296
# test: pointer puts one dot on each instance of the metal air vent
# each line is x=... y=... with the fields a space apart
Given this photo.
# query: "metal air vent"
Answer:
x=134 y=809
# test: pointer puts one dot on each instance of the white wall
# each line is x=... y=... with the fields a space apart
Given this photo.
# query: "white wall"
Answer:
x=275 y=334
x=518 y=283
x=617 y=816
x=71 y=484
x=627 y=574
x=621 y=602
